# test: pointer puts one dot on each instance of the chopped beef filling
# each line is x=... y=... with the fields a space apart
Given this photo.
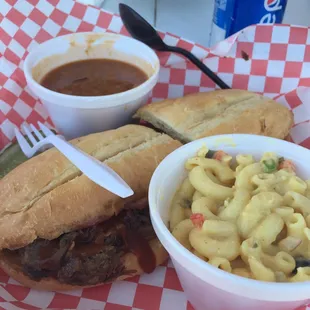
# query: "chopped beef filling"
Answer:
x=92 y=269
x=92 y=255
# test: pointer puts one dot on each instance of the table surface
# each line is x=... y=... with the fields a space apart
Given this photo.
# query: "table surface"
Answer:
x=191 y=19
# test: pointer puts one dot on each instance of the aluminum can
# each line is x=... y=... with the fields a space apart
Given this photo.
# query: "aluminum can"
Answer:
x=230 y=16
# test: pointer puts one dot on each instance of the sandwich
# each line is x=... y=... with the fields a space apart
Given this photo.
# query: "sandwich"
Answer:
x=218 y=112
x=61 y=231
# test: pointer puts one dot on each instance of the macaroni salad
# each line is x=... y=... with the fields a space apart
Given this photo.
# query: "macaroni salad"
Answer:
x=250 y=218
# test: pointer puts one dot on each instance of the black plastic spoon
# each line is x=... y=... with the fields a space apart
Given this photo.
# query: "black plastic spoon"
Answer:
x=141 y=30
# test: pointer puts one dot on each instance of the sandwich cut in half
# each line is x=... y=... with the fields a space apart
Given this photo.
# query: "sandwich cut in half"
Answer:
x=228 y=111
x=60 y=231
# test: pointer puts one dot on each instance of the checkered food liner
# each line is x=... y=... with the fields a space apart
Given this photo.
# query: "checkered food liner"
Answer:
x=272 y=60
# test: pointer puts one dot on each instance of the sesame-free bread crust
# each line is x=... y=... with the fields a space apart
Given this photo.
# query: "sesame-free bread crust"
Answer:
x=218 y=112
x=47 y=196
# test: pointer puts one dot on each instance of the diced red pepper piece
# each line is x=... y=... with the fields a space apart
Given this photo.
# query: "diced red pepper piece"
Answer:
x=218 y=155
x=197 y=219
x=288 y=165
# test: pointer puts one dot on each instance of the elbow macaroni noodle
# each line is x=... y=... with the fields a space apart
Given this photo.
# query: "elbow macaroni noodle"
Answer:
x=252 y=221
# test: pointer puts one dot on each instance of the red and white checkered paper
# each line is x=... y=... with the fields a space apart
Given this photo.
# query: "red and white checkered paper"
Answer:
x=278 y=66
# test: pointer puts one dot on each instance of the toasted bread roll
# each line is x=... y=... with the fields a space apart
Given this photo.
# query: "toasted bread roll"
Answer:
x=218 y=112
x=60 y=231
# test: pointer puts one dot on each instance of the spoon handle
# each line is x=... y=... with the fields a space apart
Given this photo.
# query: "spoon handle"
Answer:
x=200 y=65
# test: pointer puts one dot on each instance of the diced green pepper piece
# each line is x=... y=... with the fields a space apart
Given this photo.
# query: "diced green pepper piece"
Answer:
x=269 y=165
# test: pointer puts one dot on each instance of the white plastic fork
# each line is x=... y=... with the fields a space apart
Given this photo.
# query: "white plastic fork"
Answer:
x=95 y=170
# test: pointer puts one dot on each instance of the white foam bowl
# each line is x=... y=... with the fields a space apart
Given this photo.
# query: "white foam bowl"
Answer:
x=206 y=287
x=75 y=116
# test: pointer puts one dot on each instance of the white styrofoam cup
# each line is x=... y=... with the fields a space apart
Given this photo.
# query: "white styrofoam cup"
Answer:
x=207 y=287
x=75 y=116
